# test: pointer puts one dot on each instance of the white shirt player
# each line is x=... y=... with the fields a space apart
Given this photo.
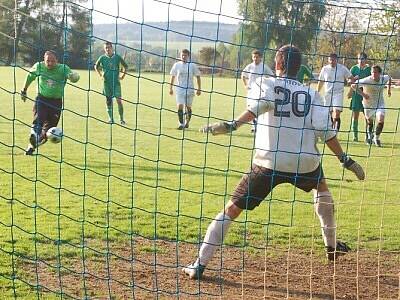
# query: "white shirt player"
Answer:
x=334 y=79
x=291 y=117
x=184 y=73
x=375 y=91
x=253 y=71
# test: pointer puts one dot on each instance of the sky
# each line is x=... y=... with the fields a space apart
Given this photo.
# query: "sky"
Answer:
x=164 y=10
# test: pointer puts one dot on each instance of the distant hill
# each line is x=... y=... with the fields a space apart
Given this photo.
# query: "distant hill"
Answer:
x=176 y=31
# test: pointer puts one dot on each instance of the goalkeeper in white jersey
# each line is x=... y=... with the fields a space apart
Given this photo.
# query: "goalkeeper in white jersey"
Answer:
x=291 y=117
x=373 y=101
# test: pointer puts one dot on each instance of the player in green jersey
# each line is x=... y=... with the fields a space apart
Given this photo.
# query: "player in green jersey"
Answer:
x=304 y=71
x=112 y=68
x=47 y=109
x=359 y=71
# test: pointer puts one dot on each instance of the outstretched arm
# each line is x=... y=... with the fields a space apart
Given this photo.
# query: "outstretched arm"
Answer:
x=348 y=163
x=28 y=80
x=227 y=127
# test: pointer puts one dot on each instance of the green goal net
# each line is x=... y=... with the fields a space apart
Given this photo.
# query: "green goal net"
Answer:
x=123 y=202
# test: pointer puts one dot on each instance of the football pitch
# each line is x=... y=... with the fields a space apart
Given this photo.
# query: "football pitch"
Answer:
x=105 y=186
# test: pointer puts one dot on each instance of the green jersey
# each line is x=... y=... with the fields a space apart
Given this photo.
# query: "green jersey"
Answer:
x=111 y=67
x=361 y=73
x=51 y=81
x=304 y=71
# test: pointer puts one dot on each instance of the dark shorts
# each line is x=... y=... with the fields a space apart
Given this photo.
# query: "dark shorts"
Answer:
x=259 y=182
x=46 y=112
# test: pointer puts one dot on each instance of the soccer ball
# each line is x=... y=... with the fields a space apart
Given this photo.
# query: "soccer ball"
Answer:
x=54 y=135
x=74 y=77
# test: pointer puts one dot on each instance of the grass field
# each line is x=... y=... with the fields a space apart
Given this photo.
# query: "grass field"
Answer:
x=105 y=184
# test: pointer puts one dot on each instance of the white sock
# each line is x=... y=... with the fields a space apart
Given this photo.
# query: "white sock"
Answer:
x=323 y=204
x=214 y=238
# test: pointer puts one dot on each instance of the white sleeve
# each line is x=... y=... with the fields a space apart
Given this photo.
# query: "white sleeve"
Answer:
x=173 y=71
x=321 y=74
x=363 y=81
x=260 y=97
x=386 y=79
x=196 y=71
x=268 y=71
x=246 y=71
x=321 y=119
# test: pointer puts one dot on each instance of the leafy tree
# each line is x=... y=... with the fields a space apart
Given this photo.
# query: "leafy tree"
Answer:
x=41 y=25
x=341 y=32
x=208 y=56
x=271 y=23
x=386 y=47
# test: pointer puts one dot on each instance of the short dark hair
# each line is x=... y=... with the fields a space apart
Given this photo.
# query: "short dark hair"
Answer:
x=107 y=43
x=333 y=55
x=291 y=58
x=362 y=55
x=378 y=68
x=186 y=51
x=257 y=52
x=51 y=52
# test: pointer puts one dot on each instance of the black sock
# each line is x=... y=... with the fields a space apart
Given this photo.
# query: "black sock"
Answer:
x=379 y=128
x=188 y=114
x=370 y=127
x=180 y=116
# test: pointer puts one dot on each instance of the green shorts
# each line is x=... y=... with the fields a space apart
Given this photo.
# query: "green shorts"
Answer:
x=112 y=90
x=356 y=103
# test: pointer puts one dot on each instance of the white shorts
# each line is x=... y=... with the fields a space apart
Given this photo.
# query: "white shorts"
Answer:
x=184 y=99
x=334 y=101
x=374 y=111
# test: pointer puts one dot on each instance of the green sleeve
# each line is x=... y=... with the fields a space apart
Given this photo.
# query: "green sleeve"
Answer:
x=67 y=71
x=122 y=62
x=98 y=62
x=33 y=73
x=309 y=73
x=352 y=71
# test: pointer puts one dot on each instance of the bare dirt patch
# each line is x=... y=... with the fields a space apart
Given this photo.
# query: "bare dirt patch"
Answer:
x=135 y=271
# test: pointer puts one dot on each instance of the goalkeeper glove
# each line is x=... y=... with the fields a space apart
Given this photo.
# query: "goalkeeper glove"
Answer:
x=353 y=166
x=23 y=95
x=219 y=128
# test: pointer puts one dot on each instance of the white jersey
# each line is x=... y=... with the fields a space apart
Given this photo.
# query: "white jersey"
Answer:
x=253 y=71
x=291 y=117
x=375 y=91
x=184 y=73
x=334 y=78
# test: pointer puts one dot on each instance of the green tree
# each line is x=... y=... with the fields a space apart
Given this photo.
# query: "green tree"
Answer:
x=386 y=47
x=270 y=23
x=341 y=32
x=209 y=57
x=40 y=25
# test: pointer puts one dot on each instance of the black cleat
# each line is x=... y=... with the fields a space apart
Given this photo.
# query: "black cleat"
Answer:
x=34 y=140
x=377 y=143
x=29 y=151
x=181 y=127
x=341 y=249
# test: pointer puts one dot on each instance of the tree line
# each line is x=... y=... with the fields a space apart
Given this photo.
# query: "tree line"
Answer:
x=28 y=27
